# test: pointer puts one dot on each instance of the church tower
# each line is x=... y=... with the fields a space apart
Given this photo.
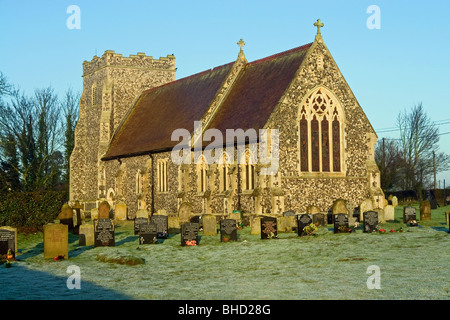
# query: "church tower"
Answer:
x=111 y=83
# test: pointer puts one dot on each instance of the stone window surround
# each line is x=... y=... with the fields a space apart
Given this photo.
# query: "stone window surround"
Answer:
x=161 y=174
x=341 y=118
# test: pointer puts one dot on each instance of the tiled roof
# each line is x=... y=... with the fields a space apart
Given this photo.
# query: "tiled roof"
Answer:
x=249 y=104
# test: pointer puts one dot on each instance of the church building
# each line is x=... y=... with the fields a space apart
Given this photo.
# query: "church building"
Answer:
x=131 y=106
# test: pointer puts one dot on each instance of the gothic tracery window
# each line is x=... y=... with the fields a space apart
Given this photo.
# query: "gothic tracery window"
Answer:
x=320 y=126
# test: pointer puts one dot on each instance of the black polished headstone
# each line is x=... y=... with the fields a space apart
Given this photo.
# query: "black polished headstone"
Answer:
x=370 y=219
x=228 y=229
x=189 y=232
x=148 y=233
x=138 y=222
x=7 y=241
x=162 y=225
x=104 y=233
x=268 y=228
x=340 y=221
x=303 y=220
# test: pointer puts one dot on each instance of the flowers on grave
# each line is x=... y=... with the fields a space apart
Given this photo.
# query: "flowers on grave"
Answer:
x=9 y=255
x=382 y=230
x=310 y=229
x=344 y=229
x=191 y=242
x=57 y=258
x=392 y=230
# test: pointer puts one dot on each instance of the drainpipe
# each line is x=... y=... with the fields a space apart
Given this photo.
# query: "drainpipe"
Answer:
x=153 y=185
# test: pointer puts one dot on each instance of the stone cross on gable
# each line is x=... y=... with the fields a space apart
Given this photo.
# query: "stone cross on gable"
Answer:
x=319 y=25
x=241 y=44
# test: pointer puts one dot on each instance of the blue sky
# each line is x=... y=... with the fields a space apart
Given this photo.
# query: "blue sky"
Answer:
x=390 y=69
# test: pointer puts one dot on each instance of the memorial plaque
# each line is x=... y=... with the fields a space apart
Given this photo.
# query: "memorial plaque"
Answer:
x=303 y=220
x=162 y=225
x=409 y=213
x=340 y=223
x=138 y=222
x=189 y=233
x=268 y=227
x=8 y=241
x=320 y=219
x=228 y=230
x=148 y=233
x=370 y=221
x=104 y=233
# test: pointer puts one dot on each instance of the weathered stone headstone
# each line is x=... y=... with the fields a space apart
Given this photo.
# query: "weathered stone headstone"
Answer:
x=120 y=211
x=303 y=220
x=103 y=210
x=184 y=213
x=394 y=201
x=288 y=213
x=268 y=228
x=425 y=210
x=104 y=233
x=340 y=223
x=138 y=222
x=366 y=205
x=173 y=224
x=8 y=240
x=447 y=217
x=56 y=241
x=312 y=210
x=94 y=214
x=228 y=230
x=148 y=233
x=286 y=223
x=409 y=213
x=162 y=225
x=320 y=218
x=189 y=233
x=86 y=235
x=389 y=211
x=209 y=225
x=340 y=206
x=370 y=221
x=77 y=219
x=66 y=216
x=142 y=213
x=255 y=225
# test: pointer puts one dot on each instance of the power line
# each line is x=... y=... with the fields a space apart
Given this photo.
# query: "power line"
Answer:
x=393 y=129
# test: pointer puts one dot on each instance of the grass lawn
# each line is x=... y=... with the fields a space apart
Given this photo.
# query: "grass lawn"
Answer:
x=414 y=264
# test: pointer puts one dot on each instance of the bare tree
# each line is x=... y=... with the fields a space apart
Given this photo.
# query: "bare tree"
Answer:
x=419 y=138
x=388 y=157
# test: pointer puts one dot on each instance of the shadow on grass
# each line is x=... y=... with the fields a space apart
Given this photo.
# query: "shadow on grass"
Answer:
x=444 y=229
x=127 y=239
x=20 y=283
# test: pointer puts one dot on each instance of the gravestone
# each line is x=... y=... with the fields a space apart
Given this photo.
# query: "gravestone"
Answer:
x=173 y=224
x=286 y=223
x=86 y=235
x=120 y=211
x=320 y=218
x=104 y=233
x=389 y=212
x=447 y=217
x=394 y=201
x=189 y=233
x=228 y=230
x=370 y=221
x=255 y=224
x=268 y=227
x=184 y=213
x=148 y=233
x=138 y=222
x=209 y=224
x=340 y=223
x=77 y=218
x=312 y=210
x=303 y=220
x=66 y=216
x=162 y=225
x=235 y=215
x=56 y=240
x=142 y=213
x=340 y=206
x=8 y=240
x=94 y=214
x=288 y=213
x=425 y=210
x=103 y=210
x=409 y=213
x=366 y=205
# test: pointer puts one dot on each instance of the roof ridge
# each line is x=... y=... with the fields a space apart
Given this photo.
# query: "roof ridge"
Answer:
x=280 y=54
x=188 y=77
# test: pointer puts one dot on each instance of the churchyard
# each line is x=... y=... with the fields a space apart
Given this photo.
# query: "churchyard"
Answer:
x=237 y=263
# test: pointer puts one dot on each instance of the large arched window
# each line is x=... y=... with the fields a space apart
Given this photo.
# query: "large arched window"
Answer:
x=320 y=133
x=202 y=169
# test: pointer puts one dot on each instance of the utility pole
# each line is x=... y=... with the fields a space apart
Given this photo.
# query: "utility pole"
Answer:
x=434 y=169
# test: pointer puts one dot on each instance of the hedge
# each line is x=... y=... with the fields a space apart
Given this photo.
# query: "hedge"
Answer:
x=30 y=209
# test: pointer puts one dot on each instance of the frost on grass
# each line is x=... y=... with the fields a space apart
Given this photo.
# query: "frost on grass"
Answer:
x=120 y=258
